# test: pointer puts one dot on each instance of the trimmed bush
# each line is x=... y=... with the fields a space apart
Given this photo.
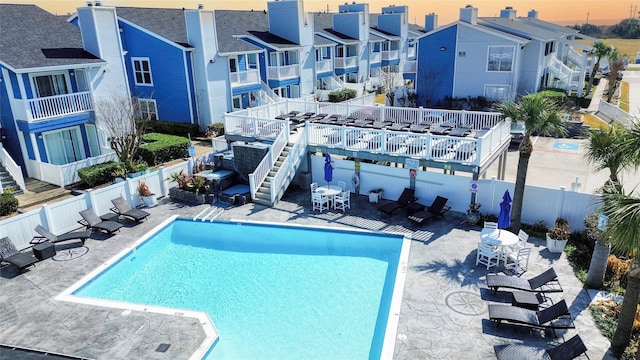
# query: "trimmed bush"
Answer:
x=161 y=148
x=100 y=173
x=169 y=128
x=342 y=95
x=8 y=204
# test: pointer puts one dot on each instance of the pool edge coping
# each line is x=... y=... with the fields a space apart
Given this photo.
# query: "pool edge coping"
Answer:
x=211 y=333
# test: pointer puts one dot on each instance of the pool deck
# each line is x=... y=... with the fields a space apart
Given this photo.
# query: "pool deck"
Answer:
x=444 y=306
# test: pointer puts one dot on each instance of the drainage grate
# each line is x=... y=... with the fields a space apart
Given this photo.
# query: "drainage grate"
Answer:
x=163 y=347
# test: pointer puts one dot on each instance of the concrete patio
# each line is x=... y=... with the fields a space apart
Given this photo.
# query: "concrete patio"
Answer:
x=444 y=306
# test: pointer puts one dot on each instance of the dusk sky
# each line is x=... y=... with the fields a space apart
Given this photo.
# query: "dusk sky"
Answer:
x=566 y=12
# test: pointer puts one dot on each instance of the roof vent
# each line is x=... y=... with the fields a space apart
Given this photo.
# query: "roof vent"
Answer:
x=200 y=6
x=89 y=3
x=97 y=3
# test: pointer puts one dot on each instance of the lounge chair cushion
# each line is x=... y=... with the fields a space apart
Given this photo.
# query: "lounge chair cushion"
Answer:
x=557 y=316
x=545 y=282
x=10 y=254
x=51 y=237
x=437 y=209
x=406 y=198
x=570 y=349
x=94 y=222
x=123 y=208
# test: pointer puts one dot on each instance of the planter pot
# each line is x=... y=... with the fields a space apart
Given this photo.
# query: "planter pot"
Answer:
x=149 y=201
x=473 y=217
x=187 y=197
x=555 y=246
x=374 y=197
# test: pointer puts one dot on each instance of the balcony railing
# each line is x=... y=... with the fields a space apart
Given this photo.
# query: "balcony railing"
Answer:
x=375 y=57
x=251 y=76
x=409 y=67
x=58 y=105
x=346 y=62
x=391 y=55
x=323 y=66
x=283 y=72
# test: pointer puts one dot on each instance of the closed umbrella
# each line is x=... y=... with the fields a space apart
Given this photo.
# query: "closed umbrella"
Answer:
x=328 y=169
x=504 y=219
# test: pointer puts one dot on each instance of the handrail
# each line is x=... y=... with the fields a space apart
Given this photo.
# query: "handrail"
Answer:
x=290 y=164
x=14 y=170
x=58 y=105
x=262 y=170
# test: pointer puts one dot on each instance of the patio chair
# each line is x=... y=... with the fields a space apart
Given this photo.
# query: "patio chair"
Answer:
x=490 y=225
x=546 y=282
x=487 y=255
x=407 y=197
x=437 y=209
x=554 y=317
x=460 y=131
x=342 y=201
x=93 y=222
x=11 y=255
x=46 y=235
x=122 y=208
x=570 y=349
x=319 y=201
x=400 y=126
x=518 y=260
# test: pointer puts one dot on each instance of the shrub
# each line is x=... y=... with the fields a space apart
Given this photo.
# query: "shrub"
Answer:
x=196 y=184
x=605 y=313
x=579 y=251
x=215 y=129
x=169 y=128
x=161 y=148
x=100 y=173
x=8 y=203
x=617 y=273
x=342 y=95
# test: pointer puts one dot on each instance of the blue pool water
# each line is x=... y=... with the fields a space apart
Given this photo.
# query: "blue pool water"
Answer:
x=273 y=292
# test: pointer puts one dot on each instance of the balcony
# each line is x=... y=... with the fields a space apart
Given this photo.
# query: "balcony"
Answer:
x=323 y=66
x=242 y=78
x=346 y=62
x=409 y=67
x=391 y=55
x=283 y=72
x=375 y=57
x=58 y=105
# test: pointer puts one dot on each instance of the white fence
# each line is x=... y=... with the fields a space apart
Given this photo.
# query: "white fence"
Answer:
x=612 y=111
x=66 y=174
x=540 y=204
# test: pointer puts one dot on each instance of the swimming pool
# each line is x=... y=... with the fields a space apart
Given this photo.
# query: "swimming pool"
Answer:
x=272 y=291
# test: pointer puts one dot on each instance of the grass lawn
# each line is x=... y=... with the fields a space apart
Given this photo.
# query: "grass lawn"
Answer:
x=594 y=122
x=624 y=46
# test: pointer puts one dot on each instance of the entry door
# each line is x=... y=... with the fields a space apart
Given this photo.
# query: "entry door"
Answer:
x=64 y=146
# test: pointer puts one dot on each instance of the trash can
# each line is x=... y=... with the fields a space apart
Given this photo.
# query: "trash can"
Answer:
x=305 y=181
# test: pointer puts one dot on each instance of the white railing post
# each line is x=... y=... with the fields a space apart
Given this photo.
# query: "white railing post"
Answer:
x=163 y=187
x=48 y=218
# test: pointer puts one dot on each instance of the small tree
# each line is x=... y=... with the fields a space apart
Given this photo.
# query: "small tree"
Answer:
x=600 y=50
x=389 y=83
x=616 y=64
x=116 y=117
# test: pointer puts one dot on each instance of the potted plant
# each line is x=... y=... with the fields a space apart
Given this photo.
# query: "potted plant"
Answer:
x=558 y=236
x=148 y=198
x=190 y=189
x=473 y=214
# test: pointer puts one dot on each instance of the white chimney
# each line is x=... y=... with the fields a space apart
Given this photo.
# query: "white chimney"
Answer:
x=508 y=13
x=469 y=14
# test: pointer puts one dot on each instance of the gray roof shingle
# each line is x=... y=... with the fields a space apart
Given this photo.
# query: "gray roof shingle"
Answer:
x=233 y=23
x=519 y=28
x=31 y=37
x=323 y=25
x=167 y=23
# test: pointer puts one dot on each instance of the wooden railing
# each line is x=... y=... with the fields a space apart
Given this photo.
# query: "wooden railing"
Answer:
x=59 y=105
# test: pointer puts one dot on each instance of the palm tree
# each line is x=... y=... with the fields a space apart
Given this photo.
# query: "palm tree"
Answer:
x=541 y=115
x=623 y=228
x=616 y=64
x=602 y=152
x=600 y=50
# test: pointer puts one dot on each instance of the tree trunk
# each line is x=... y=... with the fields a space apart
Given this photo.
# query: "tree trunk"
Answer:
x=627 y=312
x=518 y=194
x=598 y=266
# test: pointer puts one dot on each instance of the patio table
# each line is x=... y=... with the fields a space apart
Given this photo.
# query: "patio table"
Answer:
x=329 y=192
x=500 y=238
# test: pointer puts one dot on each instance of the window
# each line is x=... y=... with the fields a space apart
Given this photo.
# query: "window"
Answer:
x=92 y=138
x=50 y=85
x=148 y=109
x=233 y=65
x=497 y=92
x=237 y=102
x=64 y=146
x=549 y=48
x=252 y=60
x=411 y=51
x=500 y=58
x=142 y=71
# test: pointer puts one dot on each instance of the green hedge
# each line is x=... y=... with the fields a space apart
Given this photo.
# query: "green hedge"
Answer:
x=8 y=204
x=160 y=148
x=342 y=95
x=100 y=173
x=169 y=128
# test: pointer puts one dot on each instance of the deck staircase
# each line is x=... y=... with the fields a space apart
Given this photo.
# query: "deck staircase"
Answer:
x=8 y=182
x=263 y=196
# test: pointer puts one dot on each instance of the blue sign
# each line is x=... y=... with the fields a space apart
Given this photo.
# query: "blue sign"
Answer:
x=565 y=146
x=602 y=222
x=192 y=151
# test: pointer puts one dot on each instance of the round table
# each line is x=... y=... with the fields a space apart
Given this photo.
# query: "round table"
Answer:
x=329 y=192
x=501 y=238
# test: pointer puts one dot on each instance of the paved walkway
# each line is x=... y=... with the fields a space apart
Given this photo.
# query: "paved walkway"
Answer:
x=443 y=315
